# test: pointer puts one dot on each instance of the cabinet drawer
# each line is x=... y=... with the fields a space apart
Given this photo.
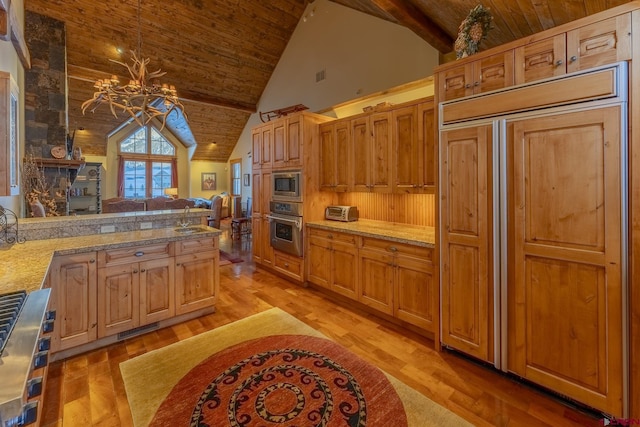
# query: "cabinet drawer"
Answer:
x=399 y=248
x=291 y=266
x=332 y=235
x=191 y=246
x=135 y=253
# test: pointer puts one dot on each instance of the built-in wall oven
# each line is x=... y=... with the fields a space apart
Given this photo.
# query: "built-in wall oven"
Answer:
x=285 y=226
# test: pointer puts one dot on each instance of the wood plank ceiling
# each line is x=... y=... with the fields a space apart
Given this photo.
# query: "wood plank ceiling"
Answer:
x=220 y=54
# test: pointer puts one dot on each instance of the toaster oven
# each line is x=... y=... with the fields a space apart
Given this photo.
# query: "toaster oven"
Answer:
x=341 y=213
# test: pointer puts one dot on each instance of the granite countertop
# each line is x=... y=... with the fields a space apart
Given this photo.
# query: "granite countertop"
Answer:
x=24 y=265
x=395 y=232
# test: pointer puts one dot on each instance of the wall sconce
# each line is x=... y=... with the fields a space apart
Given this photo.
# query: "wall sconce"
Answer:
x=171 y=192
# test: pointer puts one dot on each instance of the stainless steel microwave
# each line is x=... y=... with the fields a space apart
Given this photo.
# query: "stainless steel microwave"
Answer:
x=286 y=185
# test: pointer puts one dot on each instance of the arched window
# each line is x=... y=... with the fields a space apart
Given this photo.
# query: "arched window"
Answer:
x=148 y=164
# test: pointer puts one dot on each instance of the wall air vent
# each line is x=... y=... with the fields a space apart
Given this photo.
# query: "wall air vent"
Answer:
x=321 y=75
x=137 y=331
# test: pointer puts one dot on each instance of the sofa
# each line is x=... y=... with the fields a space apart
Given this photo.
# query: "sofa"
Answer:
x=119 y=204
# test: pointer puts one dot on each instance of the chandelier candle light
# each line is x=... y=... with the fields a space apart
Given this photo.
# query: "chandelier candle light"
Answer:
x=143 y=98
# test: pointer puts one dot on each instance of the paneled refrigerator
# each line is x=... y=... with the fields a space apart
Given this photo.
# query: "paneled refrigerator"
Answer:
x=533 y=241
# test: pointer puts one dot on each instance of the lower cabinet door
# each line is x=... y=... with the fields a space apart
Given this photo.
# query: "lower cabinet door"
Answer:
x=196 y=282
x=73 y=281
x=376 y=280
x=415 y=292
x=344 y=269
x=157 y=290
x=318 y=257
x=118 y=299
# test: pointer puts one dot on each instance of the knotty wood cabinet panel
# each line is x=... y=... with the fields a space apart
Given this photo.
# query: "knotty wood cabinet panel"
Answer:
x=484 y=75
x=540 y=60
x=157 y=289
x=118 y=297
x=332 y=260
x=262 y=146
x=465 y=240
x=415 y=292
x=406 y=148
x=360 y=154
x=566 y=296
x=334 y=155
x=376 y=280
x=73 y=281
x=287 y=143
x=604 y=42
x=197 y=283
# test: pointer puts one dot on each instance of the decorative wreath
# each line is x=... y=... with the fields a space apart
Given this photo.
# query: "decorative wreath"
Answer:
x=472 y=31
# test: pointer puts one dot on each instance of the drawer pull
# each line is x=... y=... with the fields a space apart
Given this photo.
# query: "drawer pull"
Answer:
x=286 y=264
x=135 y=271
x=142 y=270
x=91 y=261
x=393 y=249
x=139 y=253
x=559 y=62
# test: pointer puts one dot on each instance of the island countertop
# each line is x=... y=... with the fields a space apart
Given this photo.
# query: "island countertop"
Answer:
x=395 y=232
x=25 y=265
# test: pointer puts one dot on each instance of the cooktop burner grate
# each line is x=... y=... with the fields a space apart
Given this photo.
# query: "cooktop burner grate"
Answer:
x=10 y=306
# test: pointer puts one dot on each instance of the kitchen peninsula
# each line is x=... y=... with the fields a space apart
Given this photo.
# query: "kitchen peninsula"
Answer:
x=111 y=283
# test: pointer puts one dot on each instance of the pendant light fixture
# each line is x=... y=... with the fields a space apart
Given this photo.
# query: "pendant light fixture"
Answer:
x=143 y=97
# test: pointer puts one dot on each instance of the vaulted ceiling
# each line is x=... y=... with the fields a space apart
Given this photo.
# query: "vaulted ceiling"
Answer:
x=220 y=54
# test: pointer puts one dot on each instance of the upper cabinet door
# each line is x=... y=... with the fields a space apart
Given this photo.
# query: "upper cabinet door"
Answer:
x=540 y=60
x=279 y=144
x=406 y=149
x=603 y=42
x=361 y=149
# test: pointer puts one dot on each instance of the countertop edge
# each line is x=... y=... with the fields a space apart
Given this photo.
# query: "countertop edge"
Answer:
x=359 y=228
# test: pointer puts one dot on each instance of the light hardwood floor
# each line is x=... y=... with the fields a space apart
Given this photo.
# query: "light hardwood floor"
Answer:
x=87 y=390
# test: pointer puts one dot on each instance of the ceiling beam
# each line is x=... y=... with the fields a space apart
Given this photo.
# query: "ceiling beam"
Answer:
x=89 y=75
x=408 y=15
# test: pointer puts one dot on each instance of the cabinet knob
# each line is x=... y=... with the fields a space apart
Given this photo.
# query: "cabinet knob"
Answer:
x=91 y=261
x=476 y=84
x=135 y=271
x=286 y=264
x=139 y=254
x=574 y=58
x=393 y=249
x=142 y=270
x=467 y=86
x=559 y=62
x=329 y=236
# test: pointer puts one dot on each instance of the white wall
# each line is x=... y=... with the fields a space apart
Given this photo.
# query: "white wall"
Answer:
x=10 y=63
x=360 y=55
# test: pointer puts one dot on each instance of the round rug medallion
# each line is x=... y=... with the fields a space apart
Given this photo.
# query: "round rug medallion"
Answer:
x=285 y=380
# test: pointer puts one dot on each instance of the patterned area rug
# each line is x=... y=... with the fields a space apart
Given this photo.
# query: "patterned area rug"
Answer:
x=270 y=370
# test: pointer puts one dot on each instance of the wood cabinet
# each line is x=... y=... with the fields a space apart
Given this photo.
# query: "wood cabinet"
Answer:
x=288 y=265
x=287 y=143
x=482 y=75
x=585 y=47
x=566 y=295
x=332 y=260
x=371 y=153
x=261 y=196
x=465 y=245
x=73 y=280
x=197 y=277
x=262 y=146
x=398 y=279
x=136 y=287
x=335 y=164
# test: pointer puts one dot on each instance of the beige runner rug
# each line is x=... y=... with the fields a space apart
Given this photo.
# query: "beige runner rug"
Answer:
x=270 y=369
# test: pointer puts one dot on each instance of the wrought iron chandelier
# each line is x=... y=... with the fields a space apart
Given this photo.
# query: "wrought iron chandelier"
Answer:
x=143 y=98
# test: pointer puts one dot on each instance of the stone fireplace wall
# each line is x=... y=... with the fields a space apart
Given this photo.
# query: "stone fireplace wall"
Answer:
x=45 y=85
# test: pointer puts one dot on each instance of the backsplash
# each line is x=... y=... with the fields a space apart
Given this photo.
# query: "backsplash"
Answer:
x=415 y=209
